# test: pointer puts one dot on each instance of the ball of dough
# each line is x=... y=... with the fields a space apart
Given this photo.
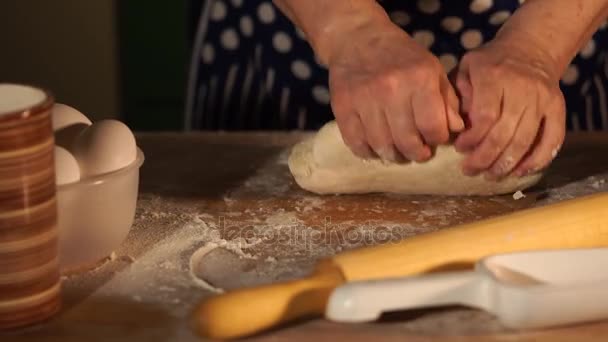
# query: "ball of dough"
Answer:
x=103 y=147
x=66 y=167
x=323 y=164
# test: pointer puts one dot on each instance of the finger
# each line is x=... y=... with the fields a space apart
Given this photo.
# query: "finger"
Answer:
x=551 y=137
x=484 y=111
x=455 y=121
x=430 y=116
x=378 y=133
x=522 y=141
x=463 y=88
x=353 y=134
x=499 y=136
x=405 y=134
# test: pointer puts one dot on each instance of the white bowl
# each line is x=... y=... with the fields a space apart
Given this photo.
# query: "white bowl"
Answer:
x=95 y=214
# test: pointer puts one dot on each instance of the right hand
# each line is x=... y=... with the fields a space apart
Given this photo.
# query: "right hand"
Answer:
x=391 y=97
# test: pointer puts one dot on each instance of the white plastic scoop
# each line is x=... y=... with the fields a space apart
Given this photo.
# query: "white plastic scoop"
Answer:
x=523 y=290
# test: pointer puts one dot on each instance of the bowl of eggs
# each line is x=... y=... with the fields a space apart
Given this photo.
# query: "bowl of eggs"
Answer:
x=97 y=176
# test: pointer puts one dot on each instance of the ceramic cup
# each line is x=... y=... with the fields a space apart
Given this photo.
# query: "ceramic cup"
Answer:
x=30 y=285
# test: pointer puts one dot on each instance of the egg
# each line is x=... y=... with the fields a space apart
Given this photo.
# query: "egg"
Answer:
x=64 y=116
x=105 y=146
x=67 y=124
x=66 y=167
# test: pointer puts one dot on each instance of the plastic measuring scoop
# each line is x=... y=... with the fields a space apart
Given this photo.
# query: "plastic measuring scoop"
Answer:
x=523 y=290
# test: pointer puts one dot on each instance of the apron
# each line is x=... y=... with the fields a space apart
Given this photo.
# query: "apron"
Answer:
x=253 y=70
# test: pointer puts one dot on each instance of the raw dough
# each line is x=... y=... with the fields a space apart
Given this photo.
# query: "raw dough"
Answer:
x=323 y=164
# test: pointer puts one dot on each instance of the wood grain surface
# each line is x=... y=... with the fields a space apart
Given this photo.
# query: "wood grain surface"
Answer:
x=238 y=186
x=29 y=270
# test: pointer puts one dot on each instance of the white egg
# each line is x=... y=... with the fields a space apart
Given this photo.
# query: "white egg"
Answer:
x=66 y=167
x=103 y=147
x=67 y=124
x=64 y=116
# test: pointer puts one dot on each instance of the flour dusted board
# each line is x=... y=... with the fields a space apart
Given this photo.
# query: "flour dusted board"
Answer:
x=234 y=197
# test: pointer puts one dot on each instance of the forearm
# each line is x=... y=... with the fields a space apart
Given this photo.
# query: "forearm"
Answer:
x=325 y=23
x=558 y=27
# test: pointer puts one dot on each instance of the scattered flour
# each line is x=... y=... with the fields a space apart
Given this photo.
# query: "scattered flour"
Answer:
x=280 y=246
x=587 y=186
x=518 y=195
x=271 y=259
x=282 y=218
x=197 y=258
x=307 y=204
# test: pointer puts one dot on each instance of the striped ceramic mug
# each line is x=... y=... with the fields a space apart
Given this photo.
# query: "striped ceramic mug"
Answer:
x=29 y=271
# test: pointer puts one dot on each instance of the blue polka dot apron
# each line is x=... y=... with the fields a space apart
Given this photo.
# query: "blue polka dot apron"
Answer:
x=252 y=69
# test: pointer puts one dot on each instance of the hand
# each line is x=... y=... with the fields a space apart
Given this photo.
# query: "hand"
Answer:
x=390 y=96
x=515 y=110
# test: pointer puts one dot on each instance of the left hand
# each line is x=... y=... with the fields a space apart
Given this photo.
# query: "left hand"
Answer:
x=514 y=108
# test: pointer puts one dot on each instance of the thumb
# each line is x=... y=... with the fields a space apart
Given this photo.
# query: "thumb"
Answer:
x=452 y=107
x=463 y=86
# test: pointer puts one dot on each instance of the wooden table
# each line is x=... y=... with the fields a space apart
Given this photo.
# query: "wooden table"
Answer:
x=234 y=191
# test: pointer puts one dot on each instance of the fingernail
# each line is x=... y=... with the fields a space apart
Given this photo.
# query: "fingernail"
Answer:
x=500 y=169
x=494 y=172
x=387 y=155
x=555 y=152
x=460 y=122
x=523 y=172
x=424 y=156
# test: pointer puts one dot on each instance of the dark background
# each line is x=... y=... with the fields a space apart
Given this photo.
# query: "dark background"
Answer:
x=121 y=59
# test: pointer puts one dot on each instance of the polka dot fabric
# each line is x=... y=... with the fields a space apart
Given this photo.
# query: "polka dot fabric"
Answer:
x=255 y=70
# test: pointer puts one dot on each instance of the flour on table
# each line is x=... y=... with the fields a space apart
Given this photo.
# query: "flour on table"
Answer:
x=307 y=204
x=571 y=190
x=518 y=195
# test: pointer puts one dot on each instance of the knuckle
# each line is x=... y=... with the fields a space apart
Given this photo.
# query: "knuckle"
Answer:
x=422 y=72
x=485 y=157
x=498 y=71
x=390 y=82
x=492 y=70
x=436 y=135
x=432 y=129
x=542 y=90
x=428 y=125
x=471 y=57
x=496 y=138
x=486 y=116
x=340 y=104
x=462 y=83
x=520 y=145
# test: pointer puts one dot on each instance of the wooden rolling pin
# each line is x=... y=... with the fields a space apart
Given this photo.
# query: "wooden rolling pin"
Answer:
x=577 y=223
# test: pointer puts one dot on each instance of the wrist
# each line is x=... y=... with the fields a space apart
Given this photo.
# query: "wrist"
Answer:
x=555 y=30
x=537 y=53
x=337 y=28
